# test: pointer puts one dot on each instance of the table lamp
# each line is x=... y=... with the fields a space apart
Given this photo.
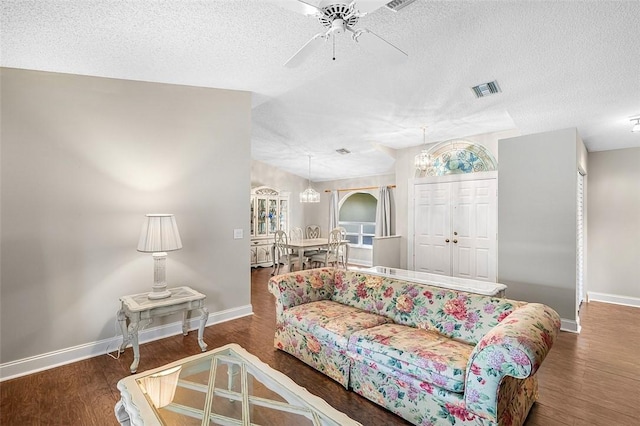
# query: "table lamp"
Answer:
x=158 y=236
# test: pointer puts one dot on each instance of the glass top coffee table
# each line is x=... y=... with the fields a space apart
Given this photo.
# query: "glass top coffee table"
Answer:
x=225 y=386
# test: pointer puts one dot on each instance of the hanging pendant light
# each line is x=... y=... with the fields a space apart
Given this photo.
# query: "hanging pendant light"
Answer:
x=423 y=160
x=309 y=195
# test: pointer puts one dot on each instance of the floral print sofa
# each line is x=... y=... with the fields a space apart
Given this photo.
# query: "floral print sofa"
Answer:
x=431 y=355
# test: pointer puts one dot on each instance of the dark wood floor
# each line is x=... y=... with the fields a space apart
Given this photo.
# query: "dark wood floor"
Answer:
x=587 y=379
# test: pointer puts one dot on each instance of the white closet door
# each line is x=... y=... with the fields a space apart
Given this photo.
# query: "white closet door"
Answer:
x=473 y=232
x=432 y=227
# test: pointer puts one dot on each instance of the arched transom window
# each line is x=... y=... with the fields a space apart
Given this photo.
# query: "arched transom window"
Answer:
x=457 y=156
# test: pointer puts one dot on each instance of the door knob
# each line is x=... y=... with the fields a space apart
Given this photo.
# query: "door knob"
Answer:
x=455 y=241
x=446 y=241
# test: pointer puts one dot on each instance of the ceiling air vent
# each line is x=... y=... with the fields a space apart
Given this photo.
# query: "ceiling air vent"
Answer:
x=396 y=5
x=343 y=151
x=486 y=89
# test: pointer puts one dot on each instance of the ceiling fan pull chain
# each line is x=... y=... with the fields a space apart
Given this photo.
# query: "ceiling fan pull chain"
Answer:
x=334 y=46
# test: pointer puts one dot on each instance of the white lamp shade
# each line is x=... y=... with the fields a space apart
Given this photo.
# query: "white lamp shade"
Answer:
x=159 y=234
x=161 y=387
x=309 y=195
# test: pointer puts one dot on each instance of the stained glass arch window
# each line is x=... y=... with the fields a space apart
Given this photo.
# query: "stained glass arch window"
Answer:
x=457 y=156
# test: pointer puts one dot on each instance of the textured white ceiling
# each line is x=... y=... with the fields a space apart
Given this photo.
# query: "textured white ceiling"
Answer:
x=559 y=63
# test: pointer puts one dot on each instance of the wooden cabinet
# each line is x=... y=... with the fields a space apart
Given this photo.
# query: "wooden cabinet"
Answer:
x=269 y=213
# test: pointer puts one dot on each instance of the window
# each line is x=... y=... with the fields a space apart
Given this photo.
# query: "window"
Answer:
x=358 y=217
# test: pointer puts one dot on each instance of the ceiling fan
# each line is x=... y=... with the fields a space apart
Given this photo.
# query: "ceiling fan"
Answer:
x=339 y=17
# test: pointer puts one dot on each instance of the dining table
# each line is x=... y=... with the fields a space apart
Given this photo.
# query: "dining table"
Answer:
x=306 y=244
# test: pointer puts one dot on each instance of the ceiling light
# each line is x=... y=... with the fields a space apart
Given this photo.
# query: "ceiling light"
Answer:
x=423 y=160
x=636 y=127
x=309 y=195
x=343 y=151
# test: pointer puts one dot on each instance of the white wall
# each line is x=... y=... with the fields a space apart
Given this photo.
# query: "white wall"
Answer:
x=614 y=225
x=83 y=159
x=537 y=218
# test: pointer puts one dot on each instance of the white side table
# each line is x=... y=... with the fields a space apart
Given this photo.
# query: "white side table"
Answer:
x=138 y=308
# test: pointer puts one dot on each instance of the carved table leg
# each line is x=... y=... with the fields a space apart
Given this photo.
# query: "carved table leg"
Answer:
x=133 y=335
x=185 y=322
x=122 y=319
x=121 y=414
x=203 y=321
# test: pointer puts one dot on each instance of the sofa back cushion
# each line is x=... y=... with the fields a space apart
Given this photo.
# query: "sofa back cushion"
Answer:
x=456 y=314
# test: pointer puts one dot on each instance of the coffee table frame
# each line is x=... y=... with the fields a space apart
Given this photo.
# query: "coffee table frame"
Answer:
x=135 y=409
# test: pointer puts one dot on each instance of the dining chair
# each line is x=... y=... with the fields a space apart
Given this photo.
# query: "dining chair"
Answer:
x=332 y=255
x=282 y=252
x=295 y=234
x=312 y=231
x=344 y=247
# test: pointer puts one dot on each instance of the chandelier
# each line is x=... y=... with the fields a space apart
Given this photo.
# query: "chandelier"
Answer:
x=423 y=160
x=309 y=195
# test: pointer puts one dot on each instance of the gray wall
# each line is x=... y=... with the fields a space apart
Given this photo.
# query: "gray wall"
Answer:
x=614 y=222
x=82 y=160
x=537 y=218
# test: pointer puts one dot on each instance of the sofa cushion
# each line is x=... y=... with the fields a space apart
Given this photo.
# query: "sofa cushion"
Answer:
x=456 y=314
x=420 y=353
x=331 y=321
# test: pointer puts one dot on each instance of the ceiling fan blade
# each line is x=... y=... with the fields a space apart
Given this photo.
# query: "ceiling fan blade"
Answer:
x=305 y=51
x=372 y=42
x=305 y=7
x=368 y=6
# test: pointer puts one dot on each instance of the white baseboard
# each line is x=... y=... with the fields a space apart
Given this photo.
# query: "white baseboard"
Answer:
x=613 y=298
x=22 y=367
x=572 y=326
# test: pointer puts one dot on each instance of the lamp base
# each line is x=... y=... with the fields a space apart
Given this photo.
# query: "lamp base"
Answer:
x=159 y=287
x=159 y=294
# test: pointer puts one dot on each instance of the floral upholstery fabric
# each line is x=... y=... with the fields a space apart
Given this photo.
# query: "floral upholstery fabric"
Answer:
x=325 y=357
x=516 y=348
x=429 y=354
x=415 y=352
x=300 y=287
x=457 y=314
x=331 y=321
x=422 y=403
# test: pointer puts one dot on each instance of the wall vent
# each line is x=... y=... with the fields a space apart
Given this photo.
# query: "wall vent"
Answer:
x=343 y=151
x=486 y=89
x=396 y=5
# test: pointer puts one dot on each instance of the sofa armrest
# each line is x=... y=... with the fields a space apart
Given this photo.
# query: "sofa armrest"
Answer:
x=297 y=288
x=515 y=347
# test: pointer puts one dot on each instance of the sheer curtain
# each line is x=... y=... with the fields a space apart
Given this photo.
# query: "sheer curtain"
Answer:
x=383 y=213
x=334 y=212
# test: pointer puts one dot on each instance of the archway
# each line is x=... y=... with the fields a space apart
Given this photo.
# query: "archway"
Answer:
x=457 y=156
